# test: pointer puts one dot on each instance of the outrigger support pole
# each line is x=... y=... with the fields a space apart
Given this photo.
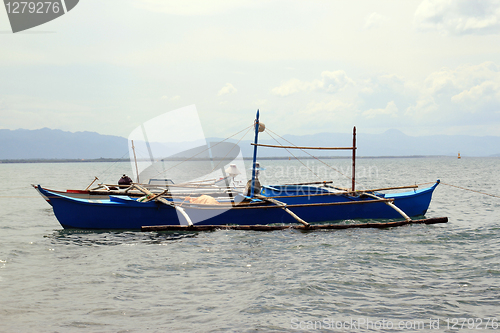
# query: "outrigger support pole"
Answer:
x=255 y=154
x=390 y=204
x=283 y=205
x=165 y=202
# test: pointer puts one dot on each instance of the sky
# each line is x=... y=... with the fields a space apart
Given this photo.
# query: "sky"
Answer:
x=420 y=66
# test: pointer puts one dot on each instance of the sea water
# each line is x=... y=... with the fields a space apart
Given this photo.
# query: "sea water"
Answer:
x=443 y=277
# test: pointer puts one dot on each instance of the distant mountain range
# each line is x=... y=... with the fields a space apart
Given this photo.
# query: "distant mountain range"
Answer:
x=48 y=143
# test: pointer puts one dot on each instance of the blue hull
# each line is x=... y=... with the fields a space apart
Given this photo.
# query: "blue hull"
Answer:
x=127 y=213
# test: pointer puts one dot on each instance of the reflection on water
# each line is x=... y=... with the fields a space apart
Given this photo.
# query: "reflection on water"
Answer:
x=113 y=238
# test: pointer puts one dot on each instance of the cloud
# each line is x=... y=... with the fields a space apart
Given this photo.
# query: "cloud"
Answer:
x=330 y=82
x=390 y=110
x=485 y=90
x=467 y=94
x=459 y=17
x=374 y=20
x=376 y=92
x=483 y=97
x=227 y=89
x=453 y=81
x=327 y=107
x=326 y=115
x=448 y=97
x=334 y=81
x=291 y=87
x=422 y=110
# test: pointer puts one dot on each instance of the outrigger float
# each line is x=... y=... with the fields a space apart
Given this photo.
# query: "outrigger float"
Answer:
x=305 y=206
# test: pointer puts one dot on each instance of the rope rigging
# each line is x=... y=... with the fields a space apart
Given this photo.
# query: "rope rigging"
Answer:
x=206 y=149
x=305 y=151
x=101 y=175
x=467 y=189
x=292 y=153
x=221 y=160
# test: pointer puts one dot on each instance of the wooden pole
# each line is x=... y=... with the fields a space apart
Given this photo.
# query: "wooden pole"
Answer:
x=297 y=227
x=91 y=183
x=150 y=198
x=338 y=188
x=390 y=204
x=313 y=183
x=179 y=209
x=283 y=205
x=135 y=159
x=297 y=147
x=346 y=190
x=166 y=202
x=255 y=205
x=387 y=188
x=354 y=158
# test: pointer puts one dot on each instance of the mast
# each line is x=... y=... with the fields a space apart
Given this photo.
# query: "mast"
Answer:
x=353 y=158
x=255 y=153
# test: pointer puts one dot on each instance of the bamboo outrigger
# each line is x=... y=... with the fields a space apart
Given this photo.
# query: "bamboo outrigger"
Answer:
x=382 y=225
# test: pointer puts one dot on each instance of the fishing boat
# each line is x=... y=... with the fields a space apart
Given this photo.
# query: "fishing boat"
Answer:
x=307 y=205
